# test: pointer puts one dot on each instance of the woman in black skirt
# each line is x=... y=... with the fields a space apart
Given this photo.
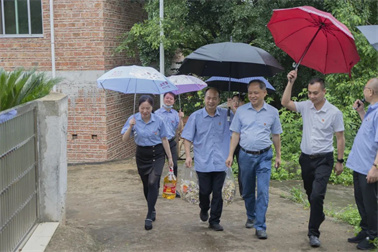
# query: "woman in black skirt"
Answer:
x=150 y=135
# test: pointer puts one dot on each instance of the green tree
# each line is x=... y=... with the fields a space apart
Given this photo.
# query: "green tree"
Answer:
x=22 y=86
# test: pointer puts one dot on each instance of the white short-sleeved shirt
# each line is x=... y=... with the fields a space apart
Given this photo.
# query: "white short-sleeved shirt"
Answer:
x=319 y=126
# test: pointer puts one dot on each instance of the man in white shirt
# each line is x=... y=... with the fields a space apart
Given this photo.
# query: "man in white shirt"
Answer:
x=321 y=120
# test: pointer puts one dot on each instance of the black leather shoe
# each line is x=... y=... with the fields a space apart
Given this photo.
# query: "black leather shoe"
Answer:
x=148 y=224
x=216 y=227
x=358 y=238
x=153 y=216
x=204 y=216
x=366 y=244
x=261 y=234
x=250 y=223
x=314 y=241
x=178 y=194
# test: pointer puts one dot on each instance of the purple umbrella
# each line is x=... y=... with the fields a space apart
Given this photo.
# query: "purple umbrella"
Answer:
x=186 y=84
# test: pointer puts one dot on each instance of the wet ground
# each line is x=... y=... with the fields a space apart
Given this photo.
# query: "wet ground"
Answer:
x=106 y=211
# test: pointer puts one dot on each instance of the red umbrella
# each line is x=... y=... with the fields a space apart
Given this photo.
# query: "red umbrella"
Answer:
x=314 y=38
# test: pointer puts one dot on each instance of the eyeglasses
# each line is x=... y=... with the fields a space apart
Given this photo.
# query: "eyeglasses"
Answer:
x=372 y=90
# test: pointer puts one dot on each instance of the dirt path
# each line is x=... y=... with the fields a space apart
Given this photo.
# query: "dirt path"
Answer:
x=106 y=211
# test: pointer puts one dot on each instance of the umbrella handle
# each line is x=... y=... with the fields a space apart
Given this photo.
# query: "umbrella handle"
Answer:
x=307 y=47
x=229 y=114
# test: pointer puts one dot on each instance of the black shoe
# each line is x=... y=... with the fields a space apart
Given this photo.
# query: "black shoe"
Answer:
x=250 y=223
x=178 y=194
x=358 y=238
x=148 y=224
x=153 y=216
x=204 y=216
x=261 y=234
x=216 y=227
x=366 y=244
x=314 y=241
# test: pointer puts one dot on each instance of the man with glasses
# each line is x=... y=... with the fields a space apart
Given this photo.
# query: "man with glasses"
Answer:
x=321 y=120
x=363 y=160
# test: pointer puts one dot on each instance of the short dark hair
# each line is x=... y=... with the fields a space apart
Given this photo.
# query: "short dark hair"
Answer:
x=317 y=79
x=213 y=88
x=146 y=98
x=174 y=96
x=239 y=95
x=260 y=82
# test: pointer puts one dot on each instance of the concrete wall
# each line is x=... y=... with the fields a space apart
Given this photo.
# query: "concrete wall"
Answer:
x=52 y=132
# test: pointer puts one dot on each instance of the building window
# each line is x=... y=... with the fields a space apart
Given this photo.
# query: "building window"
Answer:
x=20 y=18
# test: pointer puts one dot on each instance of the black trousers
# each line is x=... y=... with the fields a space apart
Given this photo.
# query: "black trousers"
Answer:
x=315 y=174
x=173 y=147
x=236 y=154
x=211 y=182
x=366 y=198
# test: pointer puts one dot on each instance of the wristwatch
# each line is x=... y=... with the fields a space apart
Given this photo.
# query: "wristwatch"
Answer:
x=340 y=160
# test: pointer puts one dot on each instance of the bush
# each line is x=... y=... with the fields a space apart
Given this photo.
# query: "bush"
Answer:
x=20 y=86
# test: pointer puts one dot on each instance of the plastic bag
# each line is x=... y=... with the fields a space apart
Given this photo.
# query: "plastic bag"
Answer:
x=189 y=188
x=229 y=187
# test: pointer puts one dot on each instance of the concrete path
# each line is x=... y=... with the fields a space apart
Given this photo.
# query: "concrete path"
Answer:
x=106 y=211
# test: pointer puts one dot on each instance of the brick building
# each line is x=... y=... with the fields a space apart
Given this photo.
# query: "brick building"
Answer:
x=86 y=32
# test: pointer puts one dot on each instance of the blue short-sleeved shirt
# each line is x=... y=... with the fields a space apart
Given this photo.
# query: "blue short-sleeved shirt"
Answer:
x=255 y=127
x=365 y=145
x=171 y=120
x=146 y=134
x=211 y=139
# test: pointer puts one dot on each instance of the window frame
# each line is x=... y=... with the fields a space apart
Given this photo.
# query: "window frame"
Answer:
x=29 y=35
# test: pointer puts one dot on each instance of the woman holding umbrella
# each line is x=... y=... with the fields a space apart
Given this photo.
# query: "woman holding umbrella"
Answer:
x=174 y=123
x=150 y=135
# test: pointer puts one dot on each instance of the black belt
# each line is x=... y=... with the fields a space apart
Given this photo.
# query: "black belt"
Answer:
x=317 y=155
x=255 y=152
x=172 y=139
x=149 y=147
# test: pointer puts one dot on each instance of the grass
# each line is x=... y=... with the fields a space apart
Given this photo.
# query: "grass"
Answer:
x=348 y=214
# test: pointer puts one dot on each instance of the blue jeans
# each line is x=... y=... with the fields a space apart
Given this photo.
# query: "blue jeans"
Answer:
x=256 y=167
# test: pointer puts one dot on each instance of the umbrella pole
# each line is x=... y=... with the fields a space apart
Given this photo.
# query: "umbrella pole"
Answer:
x=179 y=103
x=134 y=104
x=308 y=46
x=229 y=90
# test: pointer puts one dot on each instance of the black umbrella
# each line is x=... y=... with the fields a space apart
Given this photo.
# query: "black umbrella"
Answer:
x=371 y=33
x=228 y=59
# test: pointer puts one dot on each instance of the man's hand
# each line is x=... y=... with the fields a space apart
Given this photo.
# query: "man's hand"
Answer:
x=338 y=168
x=188 y=162
x=358 y=105
x=132 y=122
x=229 y=161
x=372 y=176
x=292 y=76
x=181 y=114
x=277 y=163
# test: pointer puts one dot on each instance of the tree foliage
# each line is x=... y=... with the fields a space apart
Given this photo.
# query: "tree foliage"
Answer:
x=189 y=24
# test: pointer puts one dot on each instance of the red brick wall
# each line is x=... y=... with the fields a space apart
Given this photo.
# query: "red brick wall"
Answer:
x=86 y=34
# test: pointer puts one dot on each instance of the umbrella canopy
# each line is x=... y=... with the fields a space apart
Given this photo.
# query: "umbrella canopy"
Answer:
x=186 y=83
x=314 y=38
x=228 y=59
x=135 y=80
x=371 y=33
x=240 y=85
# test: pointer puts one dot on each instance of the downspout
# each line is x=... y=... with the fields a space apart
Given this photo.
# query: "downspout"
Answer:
x=52 y=41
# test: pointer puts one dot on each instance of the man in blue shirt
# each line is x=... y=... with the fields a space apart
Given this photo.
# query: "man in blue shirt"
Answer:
x=253 y=124
x=363 y=160
x=208 y=130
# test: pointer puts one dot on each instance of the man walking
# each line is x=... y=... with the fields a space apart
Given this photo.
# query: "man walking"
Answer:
x=321 y=120
x=363 y=160
x=208 y=130
x=253 y=124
